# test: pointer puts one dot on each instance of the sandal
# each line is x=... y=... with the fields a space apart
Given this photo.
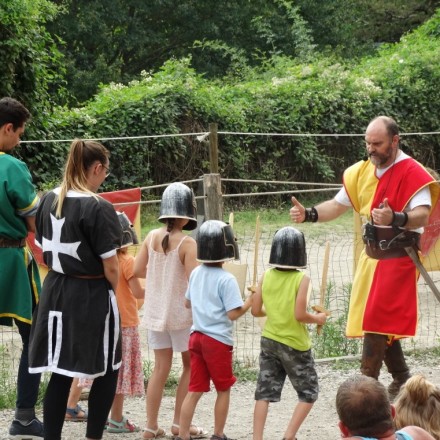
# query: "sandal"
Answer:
x=76 y=414
x=194 y=431
x=122 y=427
x=157 y=433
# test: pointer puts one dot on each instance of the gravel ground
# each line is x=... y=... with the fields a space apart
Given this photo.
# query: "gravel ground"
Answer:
x=321 y=423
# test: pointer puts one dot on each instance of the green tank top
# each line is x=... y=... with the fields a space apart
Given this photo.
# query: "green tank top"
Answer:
x=280 y=289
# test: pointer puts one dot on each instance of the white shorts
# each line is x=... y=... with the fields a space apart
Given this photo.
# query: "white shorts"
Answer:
x=178 y=340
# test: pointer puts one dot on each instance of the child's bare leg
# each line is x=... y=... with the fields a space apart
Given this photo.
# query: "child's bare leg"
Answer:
x=260 y=415
x=182 y=388
x=162 y=365
x=74 y=394
x=187 y=413
x=300 y=413
x=221 y=410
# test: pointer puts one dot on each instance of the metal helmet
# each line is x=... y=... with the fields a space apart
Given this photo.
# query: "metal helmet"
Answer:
x=129 y=236
x=288 y=249
x=178 y=201
x=216 y=242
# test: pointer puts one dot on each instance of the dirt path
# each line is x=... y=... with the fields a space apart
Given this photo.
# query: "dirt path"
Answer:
x=321 y=423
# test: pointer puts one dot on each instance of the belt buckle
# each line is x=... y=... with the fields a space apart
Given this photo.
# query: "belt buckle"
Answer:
x=383 y=245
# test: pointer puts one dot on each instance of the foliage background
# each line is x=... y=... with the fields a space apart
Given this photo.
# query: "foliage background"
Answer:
x=114 y=41
x=287 y=96
x=253 y=67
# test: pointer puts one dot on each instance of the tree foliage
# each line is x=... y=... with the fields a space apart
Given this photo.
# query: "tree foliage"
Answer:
x=114 y=41
x=31 y=64
x=31 y=70
x=356 y=27
x=287 y=96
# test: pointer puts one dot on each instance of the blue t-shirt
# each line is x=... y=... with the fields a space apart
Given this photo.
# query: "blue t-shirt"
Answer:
x=399 y=436
x=213 y=292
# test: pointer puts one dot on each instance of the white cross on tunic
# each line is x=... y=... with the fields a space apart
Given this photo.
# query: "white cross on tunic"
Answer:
x=57 y=247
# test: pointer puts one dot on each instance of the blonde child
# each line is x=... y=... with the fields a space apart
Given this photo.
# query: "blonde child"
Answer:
x=418 y=403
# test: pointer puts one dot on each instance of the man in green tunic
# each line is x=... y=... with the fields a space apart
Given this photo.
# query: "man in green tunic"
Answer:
x=19 y=279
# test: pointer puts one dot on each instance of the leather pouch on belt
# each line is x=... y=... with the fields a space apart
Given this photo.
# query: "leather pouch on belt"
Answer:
x=383 y=243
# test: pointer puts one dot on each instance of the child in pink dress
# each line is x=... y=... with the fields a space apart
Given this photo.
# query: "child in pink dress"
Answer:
x=131 y=377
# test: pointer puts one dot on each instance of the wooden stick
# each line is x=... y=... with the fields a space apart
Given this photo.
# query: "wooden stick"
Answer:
x=231 y=220
x=323 y=290
x=253 y=287
x=257 y=243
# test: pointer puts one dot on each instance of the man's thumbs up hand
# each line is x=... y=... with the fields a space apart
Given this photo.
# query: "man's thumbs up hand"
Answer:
x=297 y=211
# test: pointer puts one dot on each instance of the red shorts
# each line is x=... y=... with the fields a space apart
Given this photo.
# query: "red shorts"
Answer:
x=210 y=360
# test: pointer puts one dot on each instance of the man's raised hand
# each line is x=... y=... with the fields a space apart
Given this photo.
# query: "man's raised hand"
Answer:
x=297 y=211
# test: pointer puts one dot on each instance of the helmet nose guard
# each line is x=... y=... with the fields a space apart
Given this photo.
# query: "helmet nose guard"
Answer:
x=216 y=242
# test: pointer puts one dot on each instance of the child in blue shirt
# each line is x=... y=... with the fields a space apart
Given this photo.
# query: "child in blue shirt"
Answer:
x=215 y=299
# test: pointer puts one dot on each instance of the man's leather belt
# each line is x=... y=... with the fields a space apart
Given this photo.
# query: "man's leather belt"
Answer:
x=9 y=243
x=386 y=243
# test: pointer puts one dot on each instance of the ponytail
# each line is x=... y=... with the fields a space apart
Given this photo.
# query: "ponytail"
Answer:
x=166 y=239
x=82 y=155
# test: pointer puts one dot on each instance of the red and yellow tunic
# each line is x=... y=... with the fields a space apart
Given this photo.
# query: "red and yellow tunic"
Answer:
x=384 y=293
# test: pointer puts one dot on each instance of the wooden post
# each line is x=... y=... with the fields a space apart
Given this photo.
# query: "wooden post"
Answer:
x=213 y=147
x=213 y=197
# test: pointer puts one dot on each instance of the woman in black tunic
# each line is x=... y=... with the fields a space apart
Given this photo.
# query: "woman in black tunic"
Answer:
x=75 y=330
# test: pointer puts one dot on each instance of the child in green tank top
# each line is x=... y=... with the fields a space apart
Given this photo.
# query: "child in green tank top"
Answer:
x=281 y=296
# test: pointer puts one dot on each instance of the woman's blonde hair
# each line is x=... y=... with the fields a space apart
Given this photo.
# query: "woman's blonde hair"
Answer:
x=418 y=403
x=82 y=155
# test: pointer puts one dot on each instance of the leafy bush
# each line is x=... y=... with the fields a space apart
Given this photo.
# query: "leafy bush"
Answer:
x=287 y=96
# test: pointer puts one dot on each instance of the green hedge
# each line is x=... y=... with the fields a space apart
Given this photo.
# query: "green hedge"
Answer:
x=324 y=96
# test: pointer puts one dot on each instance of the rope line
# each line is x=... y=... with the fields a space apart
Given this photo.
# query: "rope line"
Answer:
x=148 y=202
x=286 y=182
x=203 y=135
x=281 y=192
x=166 y=184
x=119 y=138
x=152 y=202
x=331 y=185
x=318 y=134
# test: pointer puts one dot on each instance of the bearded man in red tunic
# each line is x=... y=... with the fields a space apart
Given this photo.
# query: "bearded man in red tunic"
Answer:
x=394 y=196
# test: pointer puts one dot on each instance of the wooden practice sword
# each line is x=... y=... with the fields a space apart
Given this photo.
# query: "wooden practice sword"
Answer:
x=323 y=289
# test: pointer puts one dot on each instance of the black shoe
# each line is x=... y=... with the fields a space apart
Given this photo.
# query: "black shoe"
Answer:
x=33 y=430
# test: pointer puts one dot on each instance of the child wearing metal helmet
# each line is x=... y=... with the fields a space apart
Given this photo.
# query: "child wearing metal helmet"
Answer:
x=215 y=299
x=166 y=259
x=285 y=341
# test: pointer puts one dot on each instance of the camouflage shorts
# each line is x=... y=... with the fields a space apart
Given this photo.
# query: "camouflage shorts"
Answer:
x=277 y=361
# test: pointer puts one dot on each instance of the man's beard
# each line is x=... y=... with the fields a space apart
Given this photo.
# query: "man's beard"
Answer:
x=382 y=158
